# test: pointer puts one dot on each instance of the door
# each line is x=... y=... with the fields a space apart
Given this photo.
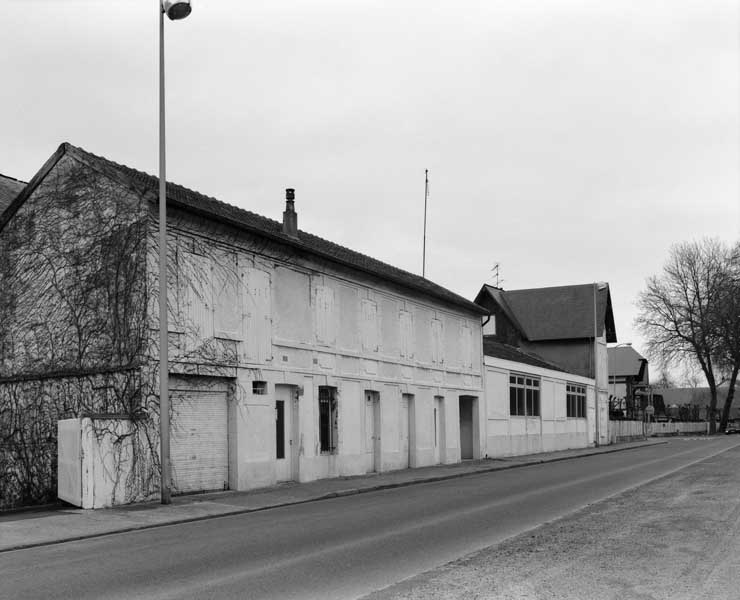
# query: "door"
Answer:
x=405 y=430
x=466 y=427
x=372 y=431
x=199 y=445
x=284 y=433
x=438 y=425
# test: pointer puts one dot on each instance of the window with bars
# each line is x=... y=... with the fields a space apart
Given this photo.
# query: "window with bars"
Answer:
x=575 y=401
x=524 y=396
x=328 y=426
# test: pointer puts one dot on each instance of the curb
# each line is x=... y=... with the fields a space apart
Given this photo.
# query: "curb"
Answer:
x=326 y=496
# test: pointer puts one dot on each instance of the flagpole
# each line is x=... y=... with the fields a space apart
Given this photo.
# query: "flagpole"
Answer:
x=424 y=247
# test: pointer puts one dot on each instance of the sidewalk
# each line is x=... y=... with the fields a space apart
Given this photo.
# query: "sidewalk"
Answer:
x=37 y=528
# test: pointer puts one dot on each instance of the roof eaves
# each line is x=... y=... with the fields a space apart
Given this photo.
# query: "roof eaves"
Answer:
x=137 y=178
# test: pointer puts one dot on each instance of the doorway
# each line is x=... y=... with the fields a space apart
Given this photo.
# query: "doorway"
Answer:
x=439 y=429
x=466 y=427
x=406 y=425
x=286 y=421
x=372 y=431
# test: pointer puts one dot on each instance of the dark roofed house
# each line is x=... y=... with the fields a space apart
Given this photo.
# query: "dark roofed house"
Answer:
x=284 y=346
x=568 y=326
x=628 y=373
x=9 y=189
x=557 y=323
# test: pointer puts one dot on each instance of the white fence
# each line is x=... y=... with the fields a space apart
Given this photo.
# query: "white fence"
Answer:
x=622 y=431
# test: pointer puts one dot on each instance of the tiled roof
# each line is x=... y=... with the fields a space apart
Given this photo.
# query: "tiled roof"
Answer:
x=208 y=207
x=496 y=349
x=9 y=189
x=557 y=313
x=624 y=361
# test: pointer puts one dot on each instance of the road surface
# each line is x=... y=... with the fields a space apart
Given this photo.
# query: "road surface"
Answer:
x=340 y=548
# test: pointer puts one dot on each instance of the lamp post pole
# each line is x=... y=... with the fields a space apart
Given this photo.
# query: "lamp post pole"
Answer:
x=600 y=285
x=175 y=10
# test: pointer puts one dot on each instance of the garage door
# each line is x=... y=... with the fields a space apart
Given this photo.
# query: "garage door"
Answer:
x=199 y=449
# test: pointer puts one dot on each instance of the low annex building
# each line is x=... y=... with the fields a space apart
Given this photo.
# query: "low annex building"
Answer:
x=291 y=357
x=549 y=346
x=533 y=405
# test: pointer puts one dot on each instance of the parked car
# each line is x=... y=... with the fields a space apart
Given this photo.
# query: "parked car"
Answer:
x=732 y=427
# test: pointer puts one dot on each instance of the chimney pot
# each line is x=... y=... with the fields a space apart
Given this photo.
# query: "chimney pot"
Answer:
x=290 y=217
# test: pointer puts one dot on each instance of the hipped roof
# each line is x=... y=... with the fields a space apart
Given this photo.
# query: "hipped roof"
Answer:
x=625 y=361
x=556 y=313
x=206 y=206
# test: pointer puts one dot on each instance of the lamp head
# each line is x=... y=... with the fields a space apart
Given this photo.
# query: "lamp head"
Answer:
x=176 y=9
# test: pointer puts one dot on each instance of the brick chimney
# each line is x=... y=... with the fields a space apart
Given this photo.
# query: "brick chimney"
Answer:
x=290 y=217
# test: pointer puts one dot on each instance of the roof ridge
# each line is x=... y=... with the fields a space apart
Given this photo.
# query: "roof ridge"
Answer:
x=230 y=212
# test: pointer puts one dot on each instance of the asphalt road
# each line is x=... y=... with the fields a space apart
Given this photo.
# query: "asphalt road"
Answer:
x=340 y=548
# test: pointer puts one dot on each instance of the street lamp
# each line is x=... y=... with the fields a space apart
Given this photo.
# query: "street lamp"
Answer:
x=175 y=10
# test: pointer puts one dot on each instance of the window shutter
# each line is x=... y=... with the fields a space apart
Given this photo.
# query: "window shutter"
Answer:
x=437 y=343
x=324 y=315
x=227 y=317
x=369 y=326
x=257 y=315
x=197 y=305
x=407 y=334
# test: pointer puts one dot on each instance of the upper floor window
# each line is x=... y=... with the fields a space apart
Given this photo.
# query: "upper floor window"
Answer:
x=524 y=396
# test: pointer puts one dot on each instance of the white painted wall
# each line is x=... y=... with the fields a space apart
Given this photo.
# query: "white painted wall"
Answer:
x=103 y=458
x=511 y=435
x=290 y=321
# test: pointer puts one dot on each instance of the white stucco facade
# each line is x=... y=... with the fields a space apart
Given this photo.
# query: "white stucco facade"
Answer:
x=323 y=370
x=508 y=434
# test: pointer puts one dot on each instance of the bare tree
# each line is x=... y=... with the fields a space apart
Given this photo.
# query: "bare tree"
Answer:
x=683 y=313
x=727 y=356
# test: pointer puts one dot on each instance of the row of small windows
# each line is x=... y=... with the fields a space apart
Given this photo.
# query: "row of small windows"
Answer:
x=575 y=401
x=524 y=398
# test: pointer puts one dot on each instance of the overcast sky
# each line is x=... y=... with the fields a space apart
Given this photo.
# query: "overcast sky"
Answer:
x=569 y=141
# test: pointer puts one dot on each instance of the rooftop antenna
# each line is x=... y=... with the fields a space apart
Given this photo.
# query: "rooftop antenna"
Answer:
x=497 y=275
x=424 y=246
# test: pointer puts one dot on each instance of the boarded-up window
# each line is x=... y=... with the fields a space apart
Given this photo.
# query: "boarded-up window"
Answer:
x=257 y=315
x=438 y=347
x=369 y=326
x=407 y=333
x=324 y=315
x=228 y=312
x=348 y=336
x=422 y=350
x=292 y=302
x=196 y=295
x=389 y=327
x=466 y=346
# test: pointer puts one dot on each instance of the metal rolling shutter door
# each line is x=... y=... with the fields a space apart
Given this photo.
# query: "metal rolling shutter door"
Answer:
x=199 y=442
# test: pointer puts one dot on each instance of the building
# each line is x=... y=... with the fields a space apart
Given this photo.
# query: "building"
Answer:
x=291 y=357
x=628 y=374
x=567 y=326
x=693 y=403
x=533 y=405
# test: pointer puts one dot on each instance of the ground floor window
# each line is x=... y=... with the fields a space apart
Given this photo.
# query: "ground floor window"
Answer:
x=576 y=401
x=328 y=427
x=524 y=396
